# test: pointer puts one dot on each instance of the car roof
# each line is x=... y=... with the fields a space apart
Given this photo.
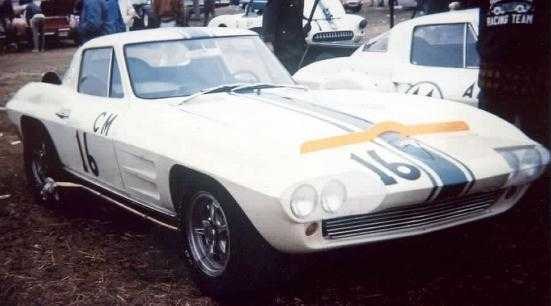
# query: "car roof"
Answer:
x=447 y=17
x=162 y=34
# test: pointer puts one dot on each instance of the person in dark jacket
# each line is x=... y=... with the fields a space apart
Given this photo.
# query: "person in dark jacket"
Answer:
x=6 y=17
x=209 y=7
x=114 y=21
x=93 y=20
x=515 y=52
x=282 y=30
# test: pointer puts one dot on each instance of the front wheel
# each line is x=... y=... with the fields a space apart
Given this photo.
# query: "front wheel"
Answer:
x=226 y=253
x=42 y=167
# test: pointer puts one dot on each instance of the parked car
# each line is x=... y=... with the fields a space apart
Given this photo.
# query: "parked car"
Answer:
x=352 y=5
x=202 y=131
x=330 y=24
x=433 y=55
x=58 y=16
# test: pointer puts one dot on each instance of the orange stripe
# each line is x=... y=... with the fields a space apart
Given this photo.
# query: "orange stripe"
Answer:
x=381 y=128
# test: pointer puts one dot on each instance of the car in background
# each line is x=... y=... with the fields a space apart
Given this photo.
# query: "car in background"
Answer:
x=59 y=14
x=352 y=5
x=433 y=55
x=330 y=23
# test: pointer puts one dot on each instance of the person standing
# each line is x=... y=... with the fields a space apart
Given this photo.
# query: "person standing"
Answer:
x=35 y=20
x=283 y=31
x=514 y=80
x=514 y=47
x=170 y=12
x=92 y=22
x=114 y=21
x=209 y=11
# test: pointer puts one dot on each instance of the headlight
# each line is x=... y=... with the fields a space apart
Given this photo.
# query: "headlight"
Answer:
x=362 y=24
x=333 y=195
x=527 y=162
x=303 y=201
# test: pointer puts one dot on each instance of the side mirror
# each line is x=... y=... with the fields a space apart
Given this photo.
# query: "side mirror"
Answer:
x=51 y=78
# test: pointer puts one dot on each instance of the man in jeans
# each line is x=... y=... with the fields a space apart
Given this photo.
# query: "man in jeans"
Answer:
x=35 y=19
x=93 y=20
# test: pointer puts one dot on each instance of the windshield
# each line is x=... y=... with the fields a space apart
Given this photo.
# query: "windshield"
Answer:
x=183 y=67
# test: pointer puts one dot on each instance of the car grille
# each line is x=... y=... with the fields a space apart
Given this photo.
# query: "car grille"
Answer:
x=333 y=36
x=413 y=217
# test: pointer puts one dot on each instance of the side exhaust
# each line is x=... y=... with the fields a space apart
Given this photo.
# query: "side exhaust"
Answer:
x=50 y=191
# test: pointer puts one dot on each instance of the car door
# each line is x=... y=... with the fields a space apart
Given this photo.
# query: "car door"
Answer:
x=94 y=117
x=443 y=63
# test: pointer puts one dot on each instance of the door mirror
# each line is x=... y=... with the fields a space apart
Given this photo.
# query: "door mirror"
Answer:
x=51 y=78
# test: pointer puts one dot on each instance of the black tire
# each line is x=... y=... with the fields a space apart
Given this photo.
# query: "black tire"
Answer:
x=41 y=161
x=356 y=9
x=251 y=263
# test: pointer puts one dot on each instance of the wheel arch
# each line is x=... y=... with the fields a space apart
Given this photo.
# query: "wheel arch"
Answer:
x=29 y=131
x=28 y=124
x=182 y=181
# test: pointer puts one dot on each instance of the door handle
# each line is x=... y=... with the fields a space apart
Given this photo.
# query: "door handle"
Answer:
x=63 y=114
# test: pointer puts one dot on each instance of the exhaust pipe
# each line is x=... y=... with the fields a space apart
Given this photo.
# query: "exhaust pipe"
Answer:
x=50 y=190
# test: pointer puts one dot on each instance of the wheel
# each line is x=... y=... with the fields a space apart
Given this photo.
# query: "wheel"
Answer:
x=224 y=250
x=41 y=167
x=356 y=9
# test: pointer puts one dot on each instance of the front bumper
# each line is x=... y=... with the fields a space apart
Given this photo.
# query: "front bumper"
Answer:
x=288 y=236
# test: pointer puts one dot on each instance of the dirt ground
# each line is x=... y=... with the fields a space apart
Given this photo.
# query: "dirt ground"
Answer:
x=89 y=253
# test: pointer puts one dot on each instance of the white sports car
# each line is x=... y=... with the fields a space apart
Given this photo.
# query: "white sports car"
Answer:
x=433 y=55
x=331 y=25
x=202 y=131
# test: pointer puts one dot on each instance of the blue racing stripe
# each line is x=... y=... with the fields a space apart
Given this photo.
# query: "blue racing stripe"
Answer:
x=453 y=178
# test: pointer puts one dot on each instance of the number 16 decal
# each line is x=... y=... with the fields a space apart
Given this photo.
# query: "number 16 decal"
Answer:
x=403 y=170
x=87 y=160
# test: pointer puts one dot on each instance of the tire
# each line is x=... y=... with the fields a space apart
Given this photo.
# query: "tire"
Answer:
x=41 y=162
x=238 y=260
x=356 y=9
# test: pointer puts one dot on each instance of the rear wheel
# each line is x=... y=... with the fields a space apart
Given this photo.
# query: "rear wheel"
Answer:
x=226 y=253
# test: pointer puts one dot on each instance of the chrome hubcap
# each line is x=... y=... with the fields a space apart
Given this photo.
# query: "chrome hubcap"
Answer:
x=208 y=234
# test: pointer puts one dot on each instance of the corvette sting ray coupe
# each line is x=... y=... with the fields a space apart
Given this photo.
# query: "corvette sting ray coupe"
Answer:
x=202 y=131
x=433 y=55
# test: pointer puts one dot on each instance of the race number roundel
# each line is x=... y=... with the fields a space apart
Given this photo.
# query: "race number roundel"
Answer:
x=426 y=89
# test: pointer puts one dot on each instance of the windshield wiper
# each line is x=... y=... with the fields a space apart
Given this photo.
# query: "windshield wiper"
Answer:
x=237 y=88
x=215 y=89
x=258 y=86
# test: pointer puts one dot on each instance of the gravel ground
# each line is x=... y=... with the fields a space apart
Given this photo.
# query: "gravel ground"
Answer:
x=90 y=253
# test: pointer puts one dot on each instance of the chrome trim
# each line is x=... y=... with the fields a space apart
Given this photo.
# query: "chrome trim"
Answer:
x=410 y=218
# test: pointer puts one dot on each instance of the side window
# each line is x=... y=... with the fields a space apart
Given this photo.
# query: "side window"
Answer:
x=438 y=45
x=115 y=90
x=379 y=45
x=94 y=72
x=471 y=53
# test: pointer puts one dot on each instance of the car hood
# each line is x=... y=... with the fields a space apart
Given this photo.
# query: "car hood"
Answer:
x=293 y=116
x=273 y=127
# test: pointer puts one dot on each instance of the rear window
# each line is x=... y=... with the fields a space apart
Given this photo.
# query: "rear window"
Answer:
x=445 y=45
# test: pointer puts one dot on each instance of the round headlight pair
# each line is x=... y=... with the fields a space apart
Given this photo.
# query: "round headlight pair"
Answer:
x=305 y=198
